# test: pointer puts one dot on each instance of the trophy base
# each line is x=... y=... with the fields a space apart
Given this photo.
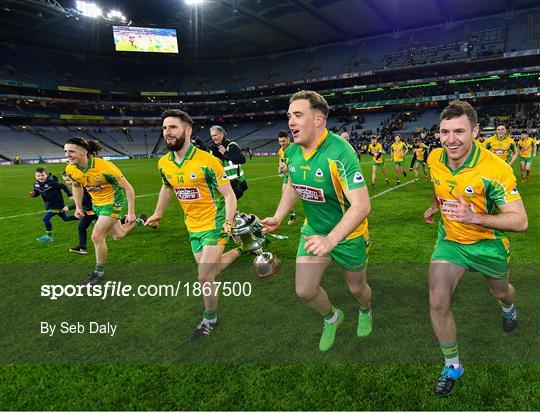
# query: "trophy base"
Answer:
x=268 y=270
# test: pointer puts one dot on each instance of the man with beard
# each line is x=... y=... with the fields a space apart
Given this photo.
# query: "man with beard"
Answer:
x=477 y=195
x=200 y=184
x=231 y=156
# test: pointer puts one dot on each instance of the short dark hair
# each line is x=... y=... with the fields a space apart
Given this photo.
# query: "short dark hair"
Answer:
x=178 y=114
x=316 y=101
x=457 y=108
x=283 y=134
x=41 y=170
x=91 y=146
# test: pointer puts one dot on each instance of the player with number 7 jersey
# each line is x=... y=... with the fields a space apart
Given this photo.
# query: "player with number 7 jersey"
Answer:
x=324 y=172
x=320 y=179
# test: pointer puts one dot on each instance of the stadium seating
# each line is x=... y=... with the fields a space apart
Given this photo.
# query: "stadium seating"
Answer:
x=470 y=39
x=20 y=141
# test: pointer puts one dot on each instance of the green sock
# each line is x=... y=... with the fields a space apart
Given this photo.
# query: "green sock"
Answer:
x=209 y=314
x=450 y=353
x=100 y=269
x=49 y=233
x=365 y=310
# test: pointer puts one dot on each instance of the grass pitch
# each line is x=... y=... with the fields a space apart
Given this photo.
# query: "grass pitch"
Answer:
x=264 y=355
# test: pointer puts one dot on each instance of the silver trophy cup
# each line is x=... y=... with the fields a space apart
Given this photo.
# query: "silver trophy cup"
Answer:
x=247 y=233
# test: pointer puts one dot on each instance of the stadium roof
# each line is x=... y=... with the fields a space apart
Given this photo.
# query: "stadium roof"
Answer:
x=236 y=28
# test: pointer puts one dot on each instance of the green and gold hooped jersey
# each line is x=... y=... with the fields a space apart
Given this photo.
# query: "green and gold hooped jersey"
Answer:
x=102 y=180
x=484 y=181
x=320 y=179
x=195 y=181
x=526 y=147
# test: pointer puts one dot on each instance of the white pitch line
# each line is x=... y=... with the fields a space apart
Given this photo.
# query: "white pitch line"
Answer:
x=136 y=196
x=253 y=179
x=23 y=215
x=390 y=189
x=263 y=177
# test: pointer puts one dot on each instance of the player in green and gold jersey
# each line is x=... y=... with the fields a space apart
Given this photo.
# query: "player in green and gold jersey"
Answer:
x=106 y=185
x=324 y=172
x=199 y=182
x=478 y=199
x=481 y=141
x=397 y=153
x=527 y=152
x=420 y=151
x=284 y=142
x=376 y=150
x=502 y=145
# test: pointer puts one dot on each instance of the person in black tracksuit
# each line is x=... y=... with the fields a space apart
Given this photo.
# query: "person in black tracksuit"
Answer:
x=50 y=189
x=86 y=221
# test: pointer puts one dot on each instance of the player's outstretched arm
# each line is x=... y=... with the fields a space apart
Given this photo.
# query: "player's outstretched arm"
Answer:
x=513 y=216
x=130 y=195
x=230 y=206
x=164 y=198
x=288 y=199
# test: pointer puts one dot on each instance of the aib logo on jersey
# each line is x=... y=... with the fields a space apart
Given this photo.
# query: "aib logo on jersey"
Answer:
x=469 y=190
x=309 y=193
x=188 y=194
x=193 y=176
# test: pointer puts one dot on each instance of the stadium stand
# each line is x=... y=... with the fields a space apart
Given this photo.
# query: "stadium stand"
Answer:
x=481 y=38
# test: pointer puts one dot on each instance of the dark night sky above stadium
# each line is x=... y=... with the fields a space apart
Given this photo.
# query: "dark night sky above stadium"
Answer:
x=239 y=28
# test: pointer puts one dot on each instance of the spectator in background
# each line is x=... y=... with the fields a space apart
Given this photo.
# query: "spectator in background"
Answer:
x=231 y=156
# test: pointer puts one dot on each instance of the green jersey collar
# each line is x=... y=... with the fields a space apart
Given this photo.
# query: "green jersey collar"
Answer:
x=188 y=155
x=91 y=164
x=307 y=156
x=471 y=162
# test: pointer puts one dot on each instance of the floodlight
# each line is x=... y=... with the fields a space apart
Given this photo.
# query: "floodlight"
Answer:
x=116 y=15
x=88 y=9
